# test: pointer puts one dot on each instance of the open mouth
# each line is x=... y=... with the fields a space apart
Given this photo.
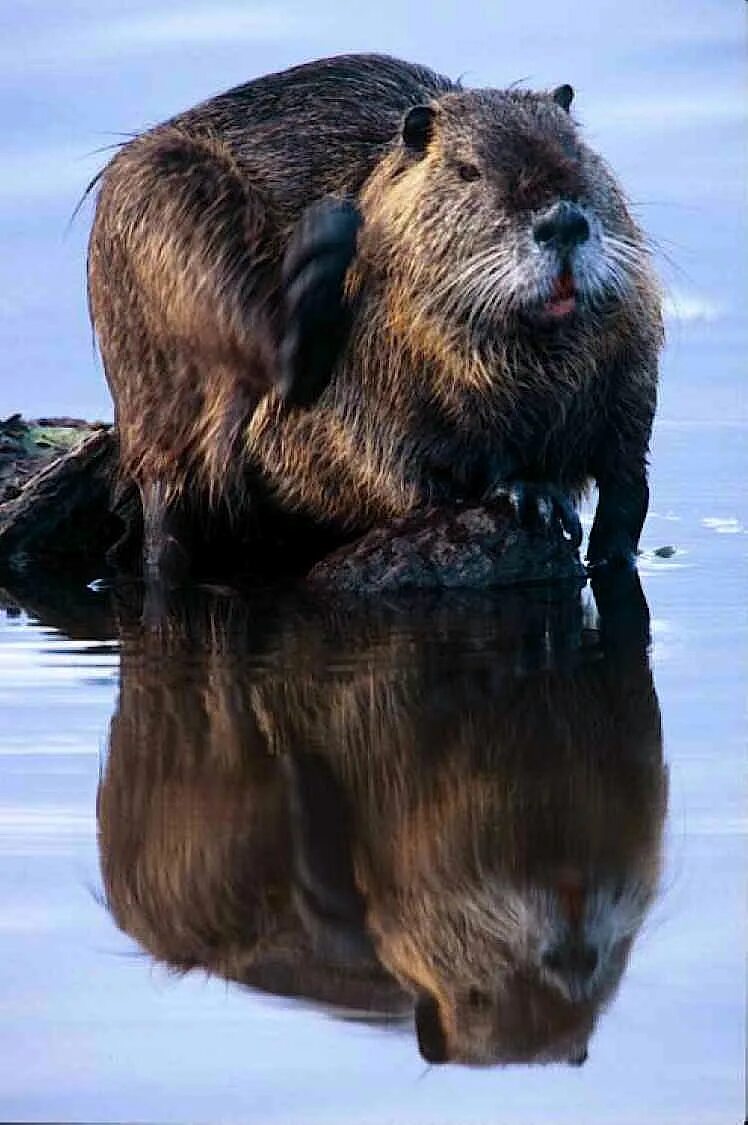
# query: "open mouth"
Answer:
x=563 y=298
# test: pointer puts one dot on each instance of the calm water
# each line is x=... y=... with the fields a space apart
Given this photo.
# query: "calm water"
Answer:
x=500 y=760
x=522 y=730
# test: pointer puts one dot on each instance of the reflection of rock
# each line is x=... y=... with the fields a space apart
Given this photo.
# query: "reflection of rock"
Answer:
x=69 y=608
x=461 y=802
x=472 y=547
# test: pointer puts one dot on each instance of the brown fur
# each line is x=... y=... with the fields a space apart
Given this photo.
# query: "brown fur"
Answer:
x=437 y=381
x=193 y=816
x=474 y=795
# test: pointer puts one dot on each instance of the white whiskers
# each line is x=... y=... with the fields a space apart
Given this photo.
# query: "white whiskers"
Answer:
x=501 y=279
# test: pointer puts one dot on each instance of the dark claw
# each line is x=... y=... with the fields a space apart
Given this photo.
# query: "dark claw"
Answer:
x=533 y=513
x=613 y=551
x=611 y=562
x=539 y=505
x=567 y=514
x=317 y=315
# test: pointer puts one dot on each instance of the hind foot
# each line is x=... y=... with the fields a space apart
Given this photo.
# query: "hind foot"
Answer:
x=166 y=553
x=317 y=316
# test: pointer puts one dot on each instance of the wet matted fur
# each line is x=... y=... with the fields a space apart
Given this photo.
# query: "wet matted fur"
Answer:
x=453 y=382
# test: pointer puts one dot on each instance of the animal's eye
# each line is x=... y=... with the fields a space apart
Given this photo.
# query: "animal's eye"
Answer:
x=477 y=1000
x=469 y=172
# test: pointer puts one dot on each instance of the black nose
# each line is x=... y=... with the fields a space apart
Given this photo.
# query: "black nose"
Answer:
x=432 y=1038
x=576 y=960
x=564 y=226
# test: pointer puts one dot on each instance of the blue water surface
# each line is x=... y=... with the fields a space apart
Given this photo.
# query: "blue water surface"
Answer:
x=90 y=1029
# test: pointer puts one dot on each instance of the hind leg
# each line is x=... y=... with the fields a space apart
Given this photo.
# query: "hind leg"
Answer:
x=180 y=272
x=167 y=536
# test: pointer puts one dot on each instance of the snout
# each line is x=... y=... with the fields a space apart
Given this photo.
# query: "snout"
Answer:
x=574 y=965
x=562 y=227
x=572 y=959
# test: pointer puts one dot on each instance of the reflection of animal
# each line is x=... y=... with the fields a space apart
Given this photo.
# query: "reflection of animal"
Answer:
x=193 y=820
x=492 y=837
x=499 y=325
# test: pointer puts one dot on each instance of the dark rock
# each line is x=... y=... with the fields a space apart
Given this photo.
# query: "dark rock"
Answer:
x=26 y=447
x=61 y=516
x=475 y=547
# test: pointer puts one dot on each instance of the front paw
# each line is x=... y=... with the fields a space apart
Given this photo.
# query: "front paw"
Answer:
x=316 y=314
x=542 y=506
x=610 y=548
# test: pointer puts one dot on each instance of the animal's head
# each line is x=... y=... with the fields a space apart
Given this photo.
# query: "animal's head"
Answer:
x=521 y=862
x=520 y=973
x=492 y=211
x=488 y=840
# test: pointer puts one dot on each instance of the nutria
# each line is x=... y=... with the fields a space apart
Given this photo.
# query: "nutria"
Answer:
x=322 y=804
x=354 y=288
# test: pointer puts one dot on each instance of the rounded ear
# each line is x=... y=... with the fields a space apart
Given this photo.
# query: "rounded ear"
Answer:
x=563 y=96
x=418 y=127
x=432 y=1041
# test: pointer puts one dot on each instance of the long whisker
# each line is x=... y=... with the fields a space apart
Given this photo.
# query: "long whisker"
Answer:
x=480 y=283
x=477 y=265
x=495 y=279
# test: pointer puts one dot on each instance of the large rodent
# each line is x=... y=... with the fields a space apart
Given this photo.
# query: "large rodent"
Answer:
x=322 y=805
x=494 y=322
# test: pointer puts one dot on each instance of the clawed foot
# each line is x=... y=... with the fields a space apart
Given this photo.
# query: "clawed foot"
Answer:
x=540 y=506
x=610 y=551
x=317 y=318
x=621 y=509
x=166 y=538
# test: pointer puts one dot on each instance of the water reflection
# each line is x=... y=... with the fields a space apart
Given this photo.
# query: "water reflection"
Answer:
x=455 y=808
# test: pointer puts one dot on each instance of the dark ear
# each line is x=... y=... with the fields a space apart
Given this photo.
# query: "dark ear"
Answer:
x=418 y=127
x=564 y=96
x=432 y=1042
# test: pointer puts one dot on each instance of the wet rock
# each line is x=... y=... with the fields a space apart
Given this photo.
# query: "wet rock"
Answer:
x=57 y=503
x=469 y=546
x=26 y=447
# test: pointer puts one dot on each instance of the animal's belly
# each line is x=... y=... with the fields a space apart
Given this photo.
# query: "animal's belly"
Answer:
x=554 y=439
